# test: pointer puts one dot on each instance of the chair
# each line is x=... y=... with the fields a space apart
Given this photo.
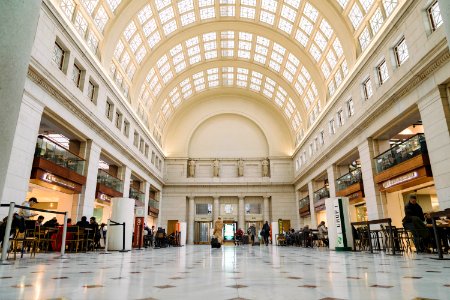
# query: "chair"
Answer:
x=24 y=239
x=75 y=236
x=281 y=240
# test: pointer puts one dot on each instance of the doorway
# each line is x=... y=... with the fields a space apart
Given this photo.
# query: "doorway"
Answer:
x=171 y=226
x=202 y=232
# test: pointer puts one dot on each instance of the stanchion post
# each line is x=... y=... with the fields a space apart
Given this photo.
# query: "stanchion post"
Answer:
x=63 y=241
x=5 y=244
x=370 y=238
x=391 y=233
x=108 y=223
x=123 y=237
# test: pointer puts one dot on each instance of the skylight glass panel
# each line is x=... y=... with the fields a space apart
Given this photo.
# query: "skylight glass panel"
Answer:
x=267 y=17
x=389 y=6
x=140 y=54
x=306 y=26
x=331 y=88
x=68 y=7
x=285 y=26
x=90 y=5
x=170 y=27
x=376 y=21
x=193 y=50
x=338 y=47
x=320 y=41
x=247 y=12
x=306 y=73
x=326 y=28
x=166 y=15
x=185 y=5
x=344 y=68
x=145 y=14
x=130 y=30
x=270 y=5
x=366 y=4
x=288 y=13
x=187 y=18
x=125 y=60
x=210 y=54
x=311 y=12
x=331 y=58
x=160 y=4
x=207 y=13
x=278 y=48
x=161 y=61
x=364 y=38
x=195 y=59
x=149 y=27
x=355 y=16
x=298 y=88
x=130 y=71
x=301 y=38
x=227 y=11
x=113 y=4
x=338 y=78
x=315 y=52
x=325 y=70
x=342 y=3
x=135 y=42
x=80 y=24
x=180 y=67
x=92 y=41
x=154 y=39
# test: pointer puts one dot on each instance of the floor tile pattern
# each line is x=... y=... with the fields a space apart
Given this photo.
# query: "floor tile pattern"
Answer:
x=243 y=272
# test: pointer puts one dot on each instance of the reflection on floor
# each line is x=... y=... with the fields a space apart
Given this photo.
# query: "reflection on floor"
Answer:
x=243 y=272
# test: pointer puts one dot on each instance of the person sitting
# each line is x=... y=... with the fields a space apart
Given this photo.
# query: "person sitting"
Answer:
x=83 y=223
x=238 y=236
x=40 y=221
x=52 y=223
x=323 y=233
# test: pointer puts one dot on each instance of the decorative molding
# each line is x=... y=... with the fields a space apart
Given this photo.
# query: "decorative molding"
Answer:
x=37 y=78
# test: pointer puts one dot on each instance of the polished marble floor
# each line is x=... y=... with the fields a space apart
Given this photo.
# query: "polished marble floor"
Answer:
x=244 y=272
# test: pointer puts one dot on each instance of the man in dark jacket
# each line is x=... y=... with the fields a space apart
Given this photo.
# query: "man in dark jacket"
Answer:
x=414 y=209
x=414 y=222
x=265 y=232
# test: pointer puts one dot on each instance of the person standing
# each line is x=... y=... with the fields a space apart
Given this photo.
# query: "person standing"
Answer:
x=265 y=232
x=218 y=228
x=414 y=222
x=26 y=213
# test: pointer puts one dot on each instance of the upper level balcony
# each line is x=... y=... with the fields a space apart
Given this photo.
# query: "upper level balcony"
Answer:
x=319 y=198
x=351 y=185
x=303 y=205
x=109 y=184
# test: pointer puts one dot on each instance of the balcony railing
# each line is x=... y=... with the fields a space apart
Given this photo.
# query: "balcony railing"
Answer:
x=110 y=181
x=410 y=148
x=349 y=179
x=52 y=151
x=135 y=194
x=153 y=203
x=303 y=202
x=321 y=194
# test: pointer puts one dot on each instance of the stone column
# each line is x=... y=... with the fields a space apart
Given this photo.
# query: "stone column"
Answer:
x=444 y=6
x=375 y=199
x=332 y=173
x=298 y=224
x=241 y=223
x=216 y=208
x=87 y=197
x=266 y=211
x=311 y=205
x=159 y=196
x=435 y=115
x=17 y=177
x=126 y=177
x=191 y=216
x=146 y=198
x=19 y=21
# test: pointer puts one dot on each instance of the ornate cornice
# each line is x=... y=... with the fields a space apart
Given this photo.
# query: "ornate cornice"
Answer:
x=73 y=105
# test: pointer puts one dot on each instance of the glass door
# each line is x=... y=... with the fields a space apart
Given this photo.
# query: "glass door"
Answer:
x=202 y=232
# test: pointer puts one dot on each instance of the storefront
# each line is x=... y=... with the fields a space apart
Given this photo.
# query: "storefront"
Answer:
x=108 y=186
x=56 y=178
x=402 y=170
x=153 y=207
x=351 y=185
x=304 y=211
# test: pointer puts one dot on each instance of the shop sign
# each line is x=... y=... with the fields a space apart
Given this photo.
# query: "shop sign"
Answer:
x=104 y=197
x=353 y=196
x=338 y=223
x=391 y=182
x=50 y=178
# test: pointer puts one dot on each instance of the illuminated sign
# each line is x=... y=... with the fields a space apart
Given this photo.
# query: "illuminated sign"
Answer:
x=104 y=197
x=391 y=182
x=50 y=178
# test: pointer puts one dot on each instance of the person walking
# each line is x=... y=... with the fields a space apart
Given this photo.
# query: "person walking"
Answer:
x=218 y=228
x=265 y=232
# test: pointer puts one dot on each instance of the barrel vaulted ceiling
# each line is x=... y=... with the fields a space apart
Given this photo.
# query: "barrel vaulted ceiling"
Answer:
x=294 y=53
